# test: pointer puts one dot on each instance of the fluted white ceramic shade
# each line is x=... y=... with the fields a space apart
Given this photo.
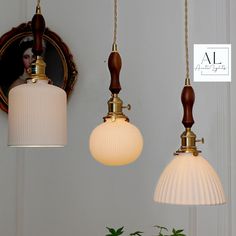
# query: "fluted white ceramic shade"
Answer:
x=189 y=180
x=37 y=115
x=116 y=143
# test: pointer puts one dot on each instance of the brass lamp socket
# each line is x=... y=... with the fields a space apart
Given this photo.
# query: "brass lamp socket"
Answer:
x=188 y=143
x=115 y=108
x=37 y=70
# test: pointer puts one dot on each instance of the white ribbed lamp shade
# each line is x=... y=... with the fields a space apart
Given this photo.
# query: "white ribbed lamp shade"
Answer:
x=189 y=180
x=37 y=115
x=116 y=143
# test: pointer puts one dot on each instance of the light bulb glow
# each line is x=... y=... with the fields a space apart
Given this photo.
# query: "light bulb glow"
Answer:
x=189 y=180
x=116 y=143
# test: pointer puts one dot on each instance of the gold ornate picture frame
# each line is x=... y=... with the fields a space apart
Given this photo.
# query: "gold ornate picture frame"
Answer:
x=60 y=69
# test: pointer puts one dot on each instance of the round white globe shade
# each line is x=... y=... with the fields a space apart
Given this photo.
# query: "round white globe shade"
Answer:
x=116 y=143
x=189 y=180
x=37 y=115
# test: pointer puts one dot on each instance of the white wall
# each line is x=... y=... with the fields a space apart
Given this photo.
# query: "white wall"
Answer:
x=233 y=113
x=57 y=192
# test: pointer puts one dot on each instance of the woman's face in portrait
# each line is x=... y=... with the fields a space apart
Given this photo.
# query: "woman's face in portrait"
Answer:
x=28 y=57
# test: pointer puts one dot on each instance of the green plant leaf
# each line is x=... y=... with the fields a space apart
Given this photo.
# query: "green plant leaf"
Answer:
x=177 y=232
x=115 y=232
x=120 y=231
x=160 y=227
x=111 y=230
x=139 y=233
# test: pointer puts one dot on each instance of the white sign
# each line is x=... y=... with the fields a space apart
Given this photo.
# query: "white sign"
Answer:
x=212 y=62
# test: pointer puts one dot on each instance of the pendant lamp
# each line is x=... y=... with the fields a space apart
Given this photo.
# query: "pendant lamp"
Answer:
x=116 y=142
x=189 y=179
x=37 y=110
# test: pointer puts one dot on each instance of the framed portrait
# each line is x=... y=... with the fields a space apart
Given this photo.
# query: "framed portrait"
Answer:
x=16 y=57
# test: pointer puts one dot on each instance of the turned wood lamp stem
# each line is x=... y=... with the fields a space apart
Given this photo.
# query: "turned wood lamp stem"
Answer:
x=187 y=98
x=38 y=28
x=114 y=65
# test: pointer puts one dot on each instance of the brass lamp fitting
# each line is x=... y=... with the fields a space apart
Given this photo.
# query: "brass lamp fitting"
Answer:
x=37 y=70
x=187 y=82
x=188 y=143
x=114 y=47
x=38 y=9
x=115 y=108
